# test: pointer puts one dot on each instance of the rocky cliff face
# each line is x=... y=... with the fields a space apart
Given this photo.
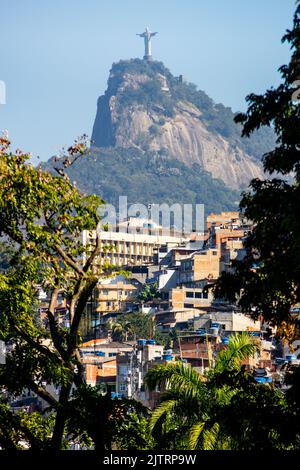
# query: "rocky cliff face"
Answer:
x=147 y=108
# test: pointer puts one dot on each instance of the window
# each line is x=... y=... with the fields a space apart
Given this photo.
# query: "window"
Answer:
x=214 y=253
x=189 y=295
x=188 y=305
x=105 y=291
x=108 y=304
x=205 y=295
x=198 y=295
x=122 y=387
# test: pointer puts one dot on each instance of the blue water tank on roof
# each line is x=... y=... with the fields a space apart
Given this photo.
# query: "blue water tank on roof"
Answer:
x=225 y=340
x=260 y=380
x=141 y=342
x=255 y=333
x=151 y=341
x=167 y=357
x=279 y=360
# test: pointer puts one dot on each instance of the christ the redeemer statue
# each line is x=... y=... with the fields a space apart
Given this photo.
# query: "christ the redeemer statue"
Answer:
x=147 y=35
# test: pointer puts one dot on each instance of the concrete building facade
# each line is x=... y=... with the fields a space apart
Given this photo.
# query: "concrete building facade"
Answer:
x=127 y=249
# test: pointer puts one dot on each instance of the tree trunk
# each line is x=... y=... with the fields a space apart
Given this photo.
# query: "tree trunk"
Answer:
x=60 y=420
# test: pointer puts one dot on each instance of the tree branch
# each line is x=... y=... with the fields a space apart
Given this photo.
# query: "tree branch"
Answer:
x=35 y=345
x=93 y=256
x=79 y=378
x=80 y=299
x=6 y=441
x=56 y=337
x=41 y=392
x=68 y=260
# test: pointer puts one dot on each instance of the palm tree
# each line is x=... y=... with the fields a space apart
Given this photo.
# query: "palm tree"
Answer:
x=121 y=330
x=240 y=347
x=185 y=396
x=188 y=397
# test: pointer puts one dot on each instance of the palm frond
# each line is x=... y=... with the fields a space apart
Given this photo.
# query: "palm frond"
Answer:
x=224 y=394
x=195 y=434
x=186 y=407
x=160 y=411
x=177 y=376
x=186 y=378
x=158 y=376
x=240 y=346
x=210 y=437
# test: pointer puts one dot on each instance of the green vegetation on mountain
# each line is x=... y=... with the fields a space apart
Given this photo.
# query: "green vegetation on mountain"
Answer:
x=149 y=178
x=157 y=139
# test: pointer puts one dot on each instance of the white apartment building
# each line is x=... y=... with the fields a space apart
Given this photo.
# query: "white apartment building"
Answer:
x=125 y=249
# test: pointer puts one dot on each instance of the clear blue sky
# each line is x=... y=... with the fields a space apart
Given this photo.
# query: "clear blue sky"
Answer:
x=55 y=56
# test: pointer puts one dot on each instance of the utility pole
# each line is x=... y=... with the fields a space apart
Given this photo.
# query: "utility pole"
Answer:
x=208 y=349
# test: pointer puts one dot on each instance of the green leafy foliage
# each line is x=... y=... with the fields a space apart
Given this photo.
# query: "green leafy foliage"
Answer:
x=149 y=95
x=133 y=326
x=149 y=292
x=107 y=422
x=238 y=348
x=42 y=217
x=24 y=430
x=224 y=409
x=132 y=433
